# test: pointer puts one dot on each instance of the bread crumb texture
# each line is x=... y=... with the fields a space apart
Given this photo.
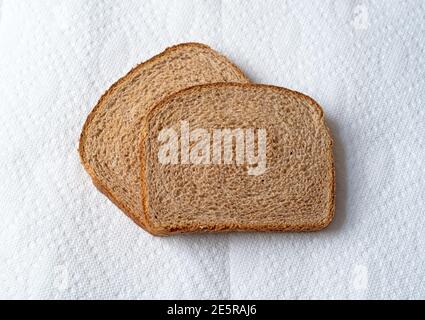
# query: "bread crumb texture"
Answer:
x=109 y=143
x=295 y=193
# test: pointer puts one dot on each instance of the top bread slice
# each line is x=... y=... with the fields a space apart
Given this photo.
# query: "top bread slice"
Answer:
x=109 y=142
x=295 y=192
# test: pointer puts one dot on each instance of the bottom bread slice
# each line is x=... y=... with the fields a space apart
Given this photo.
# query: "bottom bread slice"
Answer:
x=243 y=157
x=109 y=142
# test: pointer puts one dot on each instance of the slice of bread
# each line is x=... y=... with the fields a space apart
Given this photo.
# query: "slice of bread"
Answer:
x=109 y=142
x=190 y=184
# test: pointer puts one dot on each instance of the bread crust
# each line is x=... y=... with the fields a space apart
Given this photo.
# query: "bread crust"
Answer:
x=323 y=223
x=138 y=218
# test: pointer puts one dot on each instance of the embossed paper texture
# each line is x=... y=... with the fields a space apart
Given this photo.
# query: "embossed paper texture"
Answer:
x=363 y=61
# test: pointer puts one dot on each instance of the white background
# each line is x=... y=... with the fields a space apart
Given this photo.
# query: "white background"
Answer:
x=363 y=61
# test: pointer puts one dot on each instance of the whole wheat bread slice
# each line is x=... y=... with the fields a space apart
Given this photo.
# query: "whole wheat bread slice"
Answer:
x=109 y=142
x=294 y=193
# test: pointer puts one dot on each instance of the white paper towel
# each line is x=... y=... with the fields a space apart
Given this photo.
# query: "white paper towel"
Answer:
x=364 y=61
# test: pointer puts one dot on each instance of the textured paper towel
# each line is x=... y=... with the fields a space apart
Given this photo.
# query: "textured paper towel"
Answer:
x=363 y=61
